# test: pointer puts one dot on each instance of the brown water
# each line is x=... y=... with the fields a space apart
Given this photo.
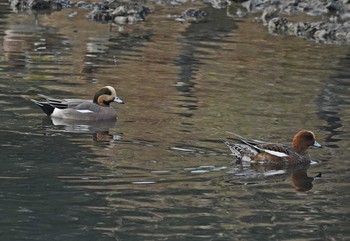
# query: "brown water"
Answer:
x=161 y=172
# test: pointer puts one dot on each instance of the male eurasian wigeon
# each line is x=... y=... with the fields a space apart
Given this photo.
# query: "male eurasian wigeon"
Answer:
x=264 y=152
x=76 y=109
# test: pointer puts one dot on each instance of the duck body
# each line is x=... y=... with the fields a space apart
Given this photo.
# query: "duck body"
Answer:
x=77 y=109
x=264 y=152
x=86 y=110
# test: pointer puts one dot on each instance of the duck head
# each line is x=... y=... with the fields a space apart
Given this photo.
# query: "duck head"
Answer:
x=303 y=140
x=106 y=95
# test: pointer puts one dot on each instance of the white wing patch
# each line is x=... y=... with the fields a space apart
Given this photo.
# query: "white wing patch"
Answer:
x=275 y=153
x=85 y=111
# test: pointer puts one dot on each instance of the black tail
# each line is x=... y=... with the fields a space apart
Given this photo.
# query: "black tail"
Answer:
x=47 y=108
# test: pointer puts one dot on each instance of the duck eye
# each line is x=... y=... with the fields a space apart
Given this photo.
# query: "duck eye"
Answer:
x=309 y=138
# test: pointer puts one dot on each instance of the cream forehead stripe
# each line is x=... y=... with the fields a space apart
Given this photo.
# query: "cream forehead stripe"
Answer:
x=112 y=90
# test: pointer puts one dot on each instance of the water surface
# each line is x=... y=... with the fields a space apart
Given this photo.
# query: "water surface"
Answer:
x=161 y=172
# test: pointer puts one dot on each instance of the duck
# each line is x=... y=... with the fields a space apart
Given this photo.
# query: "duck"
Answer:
x=256 y=151
x=78 y=109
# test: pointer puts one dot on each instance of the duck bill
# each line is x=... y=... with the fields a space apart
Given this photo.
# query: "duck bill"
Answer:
x=118 y=100
x=317 y=145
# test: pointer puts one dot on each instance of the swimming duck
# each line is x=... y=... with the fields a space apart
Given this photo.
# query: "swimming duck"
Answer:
x=76 y=109
x=263 y=152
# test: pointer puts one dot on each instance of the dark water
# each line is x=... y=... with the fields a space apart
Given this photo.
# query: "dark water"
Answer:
x=161 y=172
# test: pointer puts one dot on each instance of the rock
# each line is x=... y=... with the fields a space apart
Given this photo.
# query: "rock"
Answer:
x=218 y=4
x=121 y=20
x=319 y=31
x=269 y=13
x=99 y=15
x=341 y=36
x=345 y=16
x=72 y=14
x=321 y=35
x=119 y=12
x=192 y=15
x=333 y=29
x=334 y=6
x=36 y=4
x=248 y=6
x=278 y=26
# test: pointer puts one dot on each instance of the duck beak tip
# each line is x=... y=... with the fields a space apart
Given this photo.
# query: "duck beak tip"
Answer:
x=317 y=145
x=118 y=100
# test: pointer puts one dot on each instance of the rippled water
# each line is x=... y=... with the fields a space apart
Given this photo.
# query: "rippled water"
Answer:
x=161 y=172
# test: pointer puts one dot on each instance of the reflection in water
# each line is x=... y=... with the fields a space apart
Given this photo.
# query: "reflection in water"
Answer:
x=301 y=181
x=194 y=40
x=99 y=129
x=250 y=174
x=333 y=103
x=12 y=44
x=109 y=52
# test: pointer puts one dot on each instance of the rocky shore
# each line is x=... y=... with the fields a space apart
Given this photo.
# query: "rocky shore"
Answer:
x=328 y=20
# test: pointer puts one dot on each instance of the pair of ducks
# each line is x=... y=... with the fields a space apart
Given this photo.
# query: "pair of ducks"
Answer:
x=99 y=109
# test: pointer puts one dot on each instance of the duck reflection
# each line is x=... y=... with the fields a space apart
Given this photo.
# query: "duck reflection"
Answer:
x=298 y=174
x=301 y=181
x=254 y=173
x=99 y=129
